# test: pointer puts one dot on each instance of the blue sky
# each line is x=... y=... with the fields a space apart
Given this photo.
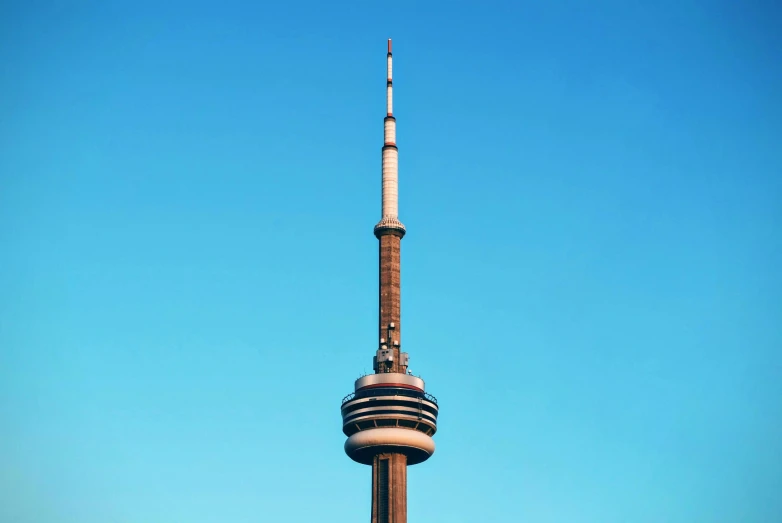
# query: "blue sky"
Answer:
x=591 y=281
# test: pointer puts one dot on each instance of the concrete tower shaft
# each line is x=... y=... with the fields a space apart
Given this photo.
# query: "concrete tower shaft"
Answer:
x=389 y=488
x=390 y=358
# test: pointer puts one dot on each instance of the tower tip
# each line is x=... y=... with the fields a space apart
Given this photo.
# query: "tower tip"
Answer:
x=389 y=46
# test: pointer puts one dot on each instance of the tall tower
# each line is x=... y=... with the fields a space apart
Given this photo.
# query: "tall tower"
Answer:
x=389 y=418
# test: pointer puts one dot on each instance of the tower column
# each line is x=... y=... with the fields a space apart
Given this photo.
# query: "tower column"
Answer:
x=389 y=488
x=391 y=295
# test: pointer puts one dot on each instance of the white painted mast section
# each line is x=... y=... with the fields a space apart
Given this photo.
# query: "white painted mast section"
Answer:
x=389 y=86
x=390 y=131
x=390 y=198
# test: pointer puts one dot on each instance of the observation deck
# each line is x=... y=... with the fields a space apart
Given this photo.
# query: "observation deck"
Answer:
x=389 y=412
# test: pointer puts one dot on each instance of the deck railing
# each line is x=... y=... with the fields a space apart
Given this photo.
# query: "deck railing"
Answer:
x=396 y=392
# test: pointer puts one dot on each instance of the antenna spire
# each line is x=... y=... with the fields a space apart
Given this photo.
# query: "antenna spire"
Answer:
x=389 y=85
x=389 y=217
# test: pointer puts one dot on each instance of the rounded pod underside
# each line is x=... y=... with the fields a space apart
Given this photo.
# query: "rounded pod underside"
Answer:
x=363 y=446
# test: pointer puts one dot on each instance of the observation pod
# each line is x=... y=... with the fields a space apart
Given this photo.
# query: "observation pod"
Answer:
x=389 y=413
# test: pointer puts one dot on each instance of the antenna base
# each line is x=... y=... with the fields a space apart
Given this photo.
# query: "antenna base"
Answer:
x=389 y=225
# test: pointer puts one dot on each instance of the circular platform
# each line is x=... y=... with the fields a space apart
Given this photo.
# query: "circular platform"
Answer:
x=389 y=405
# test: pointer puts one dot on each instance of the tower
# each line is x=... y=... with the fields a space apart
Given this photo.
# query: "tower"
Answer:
x=389 y=418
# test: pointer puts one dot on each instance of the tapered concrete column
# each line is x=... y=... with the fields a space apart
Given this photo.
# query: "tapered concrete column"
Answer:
x=391 y=293
x=389 y=488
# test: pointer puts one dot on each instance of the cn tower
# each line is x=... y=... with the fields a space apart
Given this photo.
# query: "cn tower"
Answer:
x=389 y=419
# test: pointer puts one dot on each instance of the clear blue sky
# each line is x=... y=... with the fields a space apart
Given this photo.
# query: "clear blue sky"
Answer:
x=591 y=277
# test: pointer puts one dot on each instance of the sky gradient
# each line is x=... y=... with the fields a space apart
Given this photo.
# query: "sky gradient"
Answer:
x=591 y=275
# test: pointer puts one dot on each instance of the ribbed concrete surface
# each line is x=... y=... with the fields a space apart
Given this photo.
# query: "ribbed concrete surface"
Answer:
x=389 y=489
x=390 y=181
x=390 y=292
